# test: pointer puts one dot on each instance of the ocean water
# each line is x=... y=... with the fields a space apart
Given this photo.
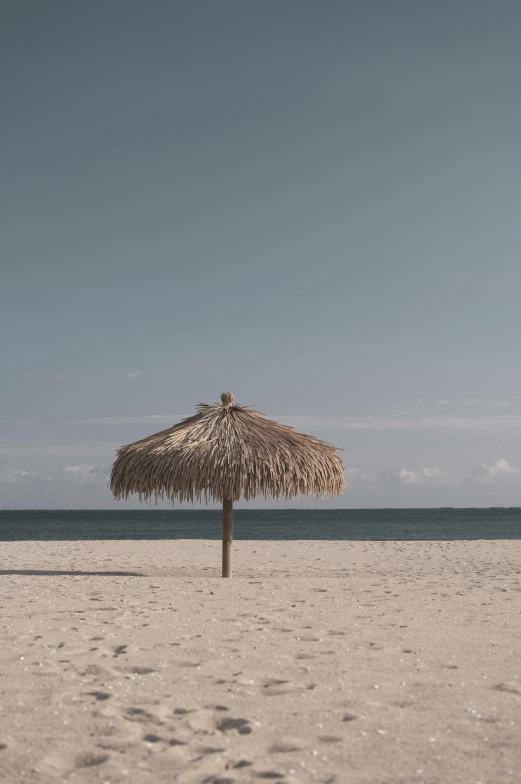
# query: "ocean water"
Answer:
x=332 y=524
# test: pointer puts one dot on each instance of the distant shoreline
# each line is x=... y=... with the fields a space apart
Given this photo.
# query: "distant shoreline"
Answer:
x=243 y=509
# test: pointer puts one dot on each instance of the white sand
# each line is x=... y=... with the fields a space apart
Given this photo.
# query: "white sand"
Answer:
x=318 y=662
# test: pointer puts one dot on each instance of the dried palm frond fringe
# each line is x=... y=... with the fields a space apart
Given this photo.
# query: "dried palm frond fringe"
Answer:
x=227 y=452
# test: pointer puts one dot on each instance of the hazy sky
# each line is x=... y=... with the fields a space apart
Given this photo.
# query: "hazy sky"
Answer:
x=315 y=205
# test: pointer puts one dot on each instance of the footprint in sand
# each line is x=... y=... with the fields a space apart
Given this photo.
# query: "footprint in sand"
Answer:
x=203 y=751
x=89 y=759
x=65 y=764
x=241 y=725
x=203 y=721
x=139 y=714
x=138 y=670
x=512 y=687
x=274 y=687
x=287 y=744
x=100 y=695
x=151 y=738
x=97 y=671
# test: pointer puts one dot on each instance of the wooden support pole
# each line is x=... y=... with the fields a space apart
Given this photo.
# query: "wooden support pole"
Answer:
x=227 y=537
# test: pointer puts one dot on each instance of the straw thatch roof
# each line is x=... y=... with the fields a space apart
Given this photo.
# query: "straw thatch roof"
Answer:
x=227 y=451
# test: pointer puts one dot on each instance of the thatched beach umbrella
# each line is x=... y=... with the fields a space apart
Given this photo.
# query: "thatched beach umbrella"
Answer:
x=224 y=453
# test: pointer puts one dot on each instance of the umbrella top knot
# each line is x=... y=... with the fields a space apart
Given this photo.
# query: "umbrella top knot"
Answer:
x=227 y=399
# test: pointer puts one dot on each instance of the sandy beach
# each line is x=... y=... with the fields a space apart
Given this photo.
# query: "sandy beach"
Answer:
x=134 y=662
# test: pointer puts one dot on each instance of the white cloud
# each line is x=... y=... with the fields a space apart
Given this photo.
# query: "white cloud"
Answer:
x=496 y=423
x=427 y=476
x=491 y=424
x=16 y=476
x=134 y=374
x=145 y=419
x=480 y=401
x=442 y=402
x=356 y=476
x=91 y=449
x=29 y=479
x=499 y=471
x=500 y=468
x=85 y=472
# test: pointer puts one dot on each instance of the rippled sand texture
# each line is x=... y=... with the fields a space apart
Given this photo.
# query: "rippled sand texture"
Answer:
x=318 y=662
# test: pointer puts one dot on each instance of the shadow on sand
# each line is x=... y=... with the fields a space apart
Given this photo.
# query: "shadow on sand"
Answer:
x=60 y=572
